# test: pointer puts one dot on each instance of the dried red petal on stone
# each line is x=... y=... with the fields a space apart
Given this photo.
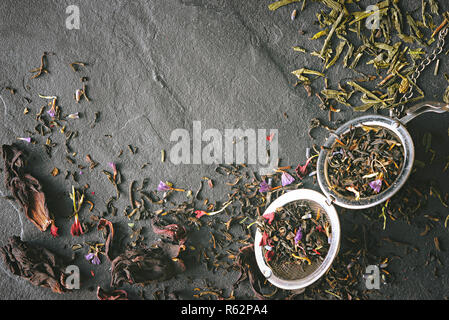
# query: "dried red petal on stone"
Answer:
x=111 y=295
x=174 y=232
x=104 y=224
x=200 y=213
x=76 y=229
x=54 y=230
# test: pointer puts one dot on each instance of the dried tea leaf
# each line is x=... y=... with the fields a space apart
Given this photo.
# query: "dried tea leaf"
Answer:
x=338 y=52
x=332 y=31
x=319 y=34
x=55 y=172
x=301 y=72
x=299 y=49
x=433 y=6
x=446 y=92
x=276 y=5
x=145 y=265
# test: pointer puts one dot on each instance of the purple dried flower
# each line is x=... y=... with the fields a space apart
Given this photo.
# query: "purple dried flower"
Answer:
x=52 y=112
x=92 y=258
x=286 y=179
x=264 y=187
x=89 y=256
x=96 y=260
x=25 y=139
x=298 y=235
x=376 y=185
x=163 y=186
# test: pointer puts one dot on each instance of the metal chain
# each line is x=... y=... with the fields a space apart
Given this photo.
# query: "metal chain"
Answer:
x=420 y=68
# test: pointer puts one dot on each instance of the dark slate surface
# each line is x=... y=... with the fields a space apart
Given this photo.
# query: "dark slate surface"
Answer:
x=155 y=66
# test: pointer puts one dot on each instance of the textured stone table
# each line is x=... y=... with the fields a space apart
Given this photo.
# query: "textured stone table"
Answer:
x=156 y=66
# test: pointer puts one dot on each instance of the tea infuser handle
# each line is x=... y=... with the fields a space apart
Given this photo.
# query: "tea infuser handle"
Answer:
x=424 y=107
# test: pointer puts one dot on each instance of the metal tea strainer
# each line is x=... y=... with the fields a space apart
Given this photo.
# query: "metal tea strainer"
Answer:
x=291 y=276
x=294 y=277
x=397 y=126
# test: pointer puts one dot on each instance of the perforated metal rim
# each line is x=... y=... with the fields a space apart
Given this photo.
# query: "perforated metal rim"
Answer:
x=310 y=195
x=409 y=155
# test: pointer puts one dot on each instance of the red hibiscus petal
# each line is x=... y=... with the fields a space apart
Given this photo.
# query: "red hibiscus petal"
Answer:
x=54 y=230
x=269 y=216
x=269 y=254
x=76 y=229
x=200 y=213
x=264 y=240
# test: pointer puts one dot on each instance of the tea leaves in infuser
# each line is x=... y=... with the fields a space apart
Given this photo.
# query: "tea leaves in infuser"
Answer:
x=294 y=234
x=364 y=162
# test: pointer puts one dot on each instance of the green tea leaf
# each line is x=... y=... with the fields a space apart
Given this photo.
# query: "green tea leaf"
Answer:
x=338 y=52
x=276 y=5
x=299 y=49
x=300 y=74
x=319 y=34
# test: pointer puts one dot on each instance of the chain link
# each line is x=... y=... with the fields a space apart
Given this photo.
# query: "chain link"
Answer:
x=420 y=68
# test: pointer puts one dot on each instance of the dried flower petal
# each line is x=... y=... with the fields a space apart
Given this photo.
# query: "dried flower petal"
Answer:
x=25 y=188
x=95 y=260
x=269 y=254
x=163 y=186
x=35 y=264
x=173 y=232
x=112 y=165
x=108 y=228
x=264 y=187
x=114 y=295
x=89 y=256
x=51 y=112
x=264 y=241
x=74 y=115
x=25 y=139
x=286 y=179
x=376 y=185
x=246 y=262
x=54 y=230
x=298 y=235
x=301 y=171
x=269 y=216
x=200 y=213
x=76 y=229
x=146 y=265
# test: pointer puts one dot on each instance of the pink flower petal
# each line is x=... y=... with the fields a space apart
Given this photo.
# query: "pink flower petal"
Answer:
x=269 y=216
